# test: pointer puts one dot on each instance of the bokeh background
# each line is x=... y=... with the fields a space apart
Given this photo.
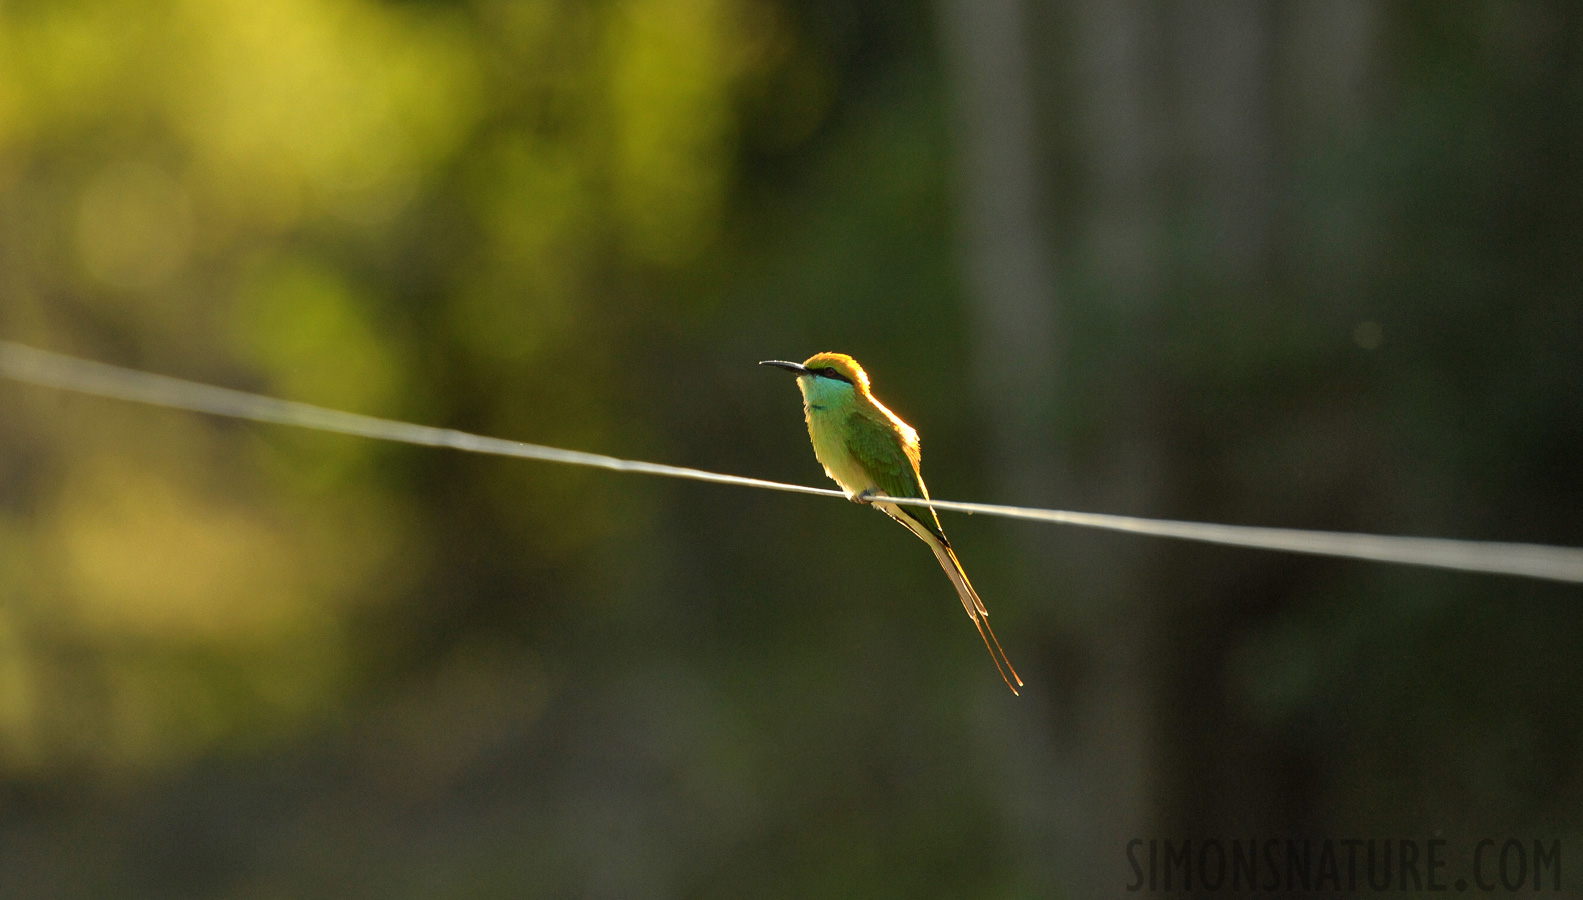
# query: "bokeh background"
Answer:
x=1310 y=264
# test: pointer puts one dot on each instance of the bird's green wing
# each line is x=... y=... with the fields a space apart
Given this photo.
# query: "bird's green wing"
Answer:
x=892 y=464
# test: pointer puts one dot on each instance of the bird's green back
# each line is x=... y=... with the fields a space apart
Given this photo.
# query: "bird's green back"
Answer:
x=892 y=463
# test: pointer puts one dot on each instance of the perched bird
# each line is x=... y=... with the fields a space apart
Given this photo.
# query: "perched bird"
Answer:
x=872 y=454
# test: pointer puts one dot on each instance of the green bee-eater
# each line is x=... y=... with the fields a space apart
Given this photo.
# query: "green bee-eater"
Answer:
x=872 y=454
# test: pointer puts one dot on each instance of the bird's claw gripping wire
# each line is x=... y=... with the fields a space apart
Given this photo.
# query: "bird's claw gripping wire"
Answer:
x=865 y=497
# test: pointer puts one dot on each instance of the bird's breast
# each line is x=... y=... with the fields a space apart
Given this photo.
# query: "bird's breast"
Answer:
x=829 y=446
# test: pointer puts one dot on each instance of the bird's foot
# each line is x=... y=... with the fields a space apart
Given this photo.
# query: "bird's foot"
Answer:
x=865 y=497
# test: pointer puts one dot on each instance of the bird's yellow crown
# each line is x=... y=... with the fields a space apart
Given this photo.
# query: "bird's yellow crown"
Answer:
x=843 y=365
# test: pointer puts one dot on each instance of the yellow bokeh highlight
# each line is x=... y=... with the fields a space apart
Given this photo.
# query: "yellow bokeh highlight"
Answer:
x=143 y=554
x=534 y=198
x=215 y=189
x=301 y=106
x=309 y=329
x=64 y=65
x=134 y=226
x=671 y=76
x=20 y=742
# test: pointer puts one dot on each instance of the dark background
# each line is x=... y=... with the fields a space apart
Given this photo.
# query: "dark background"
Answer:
x=1311 y=264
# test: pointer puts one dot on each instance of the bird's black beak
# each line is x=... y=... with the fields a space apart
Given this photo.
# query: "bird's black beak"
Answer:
x=798 y=368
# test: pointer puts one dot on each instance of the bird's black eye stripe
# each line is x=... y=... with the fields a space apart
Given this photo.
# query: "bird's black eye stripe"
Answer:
x=829 y=372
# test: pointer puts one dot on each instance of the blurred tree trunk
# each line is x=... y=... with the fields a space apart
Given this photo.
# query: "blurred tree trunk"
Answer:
x=1171 y=120
x=1221 y=776
x=1006 y=255
x=1234 y=64
x=1084 y=771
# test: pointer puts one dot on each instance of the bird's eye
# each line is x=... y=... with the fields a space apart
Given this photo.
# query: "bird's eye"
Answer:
x=830 y=372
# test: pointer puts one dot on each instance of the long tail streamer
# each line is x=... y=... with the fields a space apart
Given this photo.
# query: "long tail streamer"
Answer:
x=39 y=367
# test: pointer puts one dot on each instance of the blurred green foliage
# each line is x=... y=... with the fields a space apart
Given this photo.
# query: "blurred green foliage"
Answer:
x=241 y=661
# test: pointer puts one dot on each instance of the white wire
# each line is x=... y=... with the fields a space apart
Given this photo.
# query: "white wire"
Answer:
x=40 y=367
